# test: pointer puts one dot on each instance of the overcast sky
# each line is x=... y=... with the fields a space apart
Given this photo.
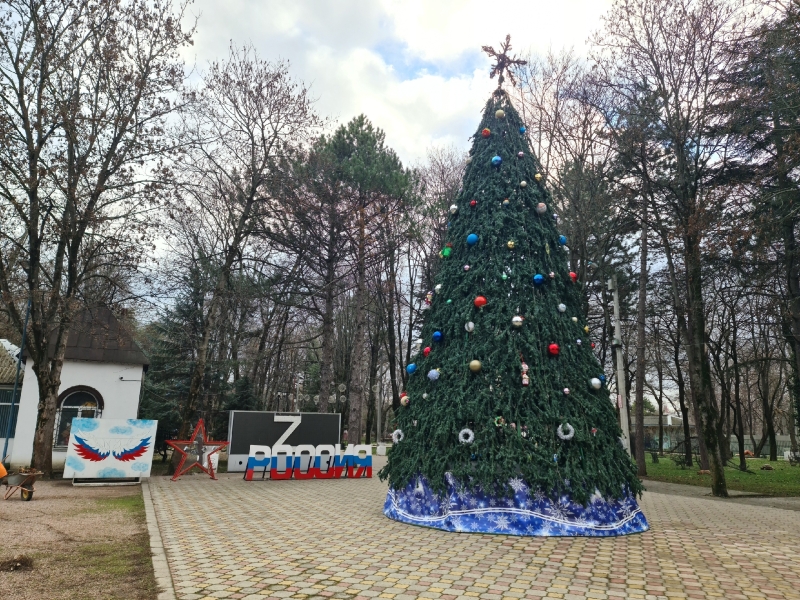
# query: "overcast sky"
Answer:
x=414 y=67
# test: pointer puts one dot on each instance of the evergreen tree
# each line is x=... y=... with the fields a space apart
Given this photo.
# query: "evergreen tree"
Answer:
x=506 y=403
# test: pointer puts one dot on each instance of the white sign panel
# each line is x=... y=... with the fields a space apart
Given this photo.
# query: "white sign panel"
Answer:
x=110 y=448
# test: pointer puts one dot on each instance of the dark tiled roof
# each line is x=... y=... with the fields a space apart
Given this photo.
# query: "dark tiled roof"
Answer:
x=96 y=335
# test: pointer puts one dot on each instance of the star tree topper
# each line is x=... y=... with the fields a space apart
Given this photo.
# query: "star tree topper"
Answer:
x=505 y=63
x=197 y=449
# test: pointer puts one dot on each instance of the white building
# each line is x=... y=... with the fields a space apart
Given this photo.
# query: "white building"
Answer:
x=101 y=378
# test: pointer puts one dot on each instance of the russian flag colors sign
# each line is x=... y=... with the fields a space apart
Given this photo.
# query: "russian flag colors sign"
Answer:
x=305 y=461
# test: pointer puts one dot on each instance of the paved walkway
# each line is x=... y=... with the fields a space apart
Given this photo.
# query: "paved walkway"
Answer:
x=329 y=539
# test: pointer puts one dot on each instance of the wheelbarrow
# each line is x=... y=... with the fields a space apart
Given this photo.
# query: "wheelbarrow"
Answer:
x=22 y=482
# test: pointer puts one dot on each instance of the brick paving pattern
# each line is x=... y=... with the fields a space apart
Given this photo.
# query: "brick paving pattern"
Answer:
x=329 y=539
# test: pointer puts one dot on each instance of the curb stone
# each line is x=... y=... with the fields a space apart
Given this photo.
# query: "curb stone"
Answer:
x=160 y=564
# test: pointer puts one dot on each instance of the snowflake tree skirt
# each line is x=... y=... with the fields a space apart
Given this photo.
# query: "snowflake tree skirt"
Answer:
x=526 y=513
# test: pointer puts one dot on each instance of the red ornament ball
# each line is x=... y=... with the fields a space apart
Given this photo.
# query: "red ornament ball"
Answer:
x=448 y=245
x=473 y=203
x=426 y=351
x=592 y=345
x=574 y=276
x=480 y=301
x=486 y=132
x=553 y=349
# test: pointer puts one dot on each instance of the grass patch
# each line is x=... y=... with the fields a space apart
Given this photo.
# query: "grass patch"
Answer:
x=132 y=505
x=783 y=481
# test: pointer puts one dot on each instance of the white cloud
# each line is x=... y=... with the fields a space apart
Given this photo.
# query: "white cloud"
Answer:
x=414 y=67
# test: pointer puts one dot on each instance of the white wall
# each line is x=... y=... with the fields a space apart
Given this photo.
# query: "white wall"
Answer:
x=120 y=401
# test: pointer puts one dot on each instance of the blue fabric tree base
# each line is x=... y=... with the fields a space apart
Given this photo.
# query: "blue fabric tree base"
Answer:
x=529 y=512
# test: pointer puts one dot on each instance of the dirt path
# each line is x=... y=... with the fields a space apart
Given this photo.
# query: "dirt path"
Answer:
x=86 y=542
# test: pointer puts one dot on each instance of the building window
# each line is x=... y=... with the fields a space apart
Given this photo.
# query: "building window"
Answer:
x=80 y=403
x=5 y=412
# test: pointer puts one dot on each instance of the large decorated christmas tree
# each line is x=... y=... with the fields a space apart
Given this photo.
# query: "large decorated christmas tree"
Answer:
x=506 y=424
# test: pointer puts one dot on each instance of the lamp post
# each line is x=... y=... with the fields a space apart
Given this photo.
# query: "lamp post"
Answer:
x=16 y=380
x=616 y=343
x=379 y=445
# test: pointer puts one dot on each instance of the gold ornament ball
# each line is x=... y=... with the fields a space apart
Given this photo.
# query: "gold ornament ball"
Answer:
x=475 y=366
x=538 y=177
x=586 y=329
x=510 y=244
x=500 y=113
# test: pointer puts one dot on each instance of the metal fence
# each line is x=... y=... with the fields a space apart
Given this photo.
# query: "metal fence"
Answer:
x=5 y=413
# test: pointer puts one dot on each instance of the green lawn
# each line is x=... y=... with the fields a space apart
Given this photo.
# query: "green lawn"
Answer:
x=783 y=481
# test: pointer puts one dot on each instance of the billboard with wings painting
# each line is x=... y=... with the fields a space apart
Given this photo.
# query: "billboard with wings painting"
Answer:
x=110 y=448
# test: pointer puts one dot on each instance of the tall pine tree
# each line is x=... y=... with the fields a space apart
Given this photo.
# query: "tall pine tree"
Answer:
x=507 y=426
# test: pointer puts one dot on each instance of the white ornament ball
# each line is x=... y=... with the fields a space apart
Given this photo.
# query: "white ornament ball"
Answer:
x=578 y=342
x=433 y=374
x=562 y=308
x=574 y=319
x=500 y=113
x=438 y=288
x=517 y=321
x=453 y=209
x=566 y=391
x=595 y=383
x=425 y=396
x=541 y=208
x=470 y=327
x=523 y=184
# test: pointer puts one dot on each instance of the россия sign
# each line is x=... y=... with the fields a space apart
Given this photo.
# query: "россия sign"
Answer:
x=293 y=445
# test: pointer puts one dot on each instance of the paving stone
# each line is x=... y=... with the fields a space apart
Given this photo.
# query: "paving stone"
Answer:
x=323 y=539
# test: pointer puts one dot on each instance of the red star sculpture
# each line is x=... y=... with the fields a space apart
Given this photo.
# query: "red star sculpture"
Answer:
x=198 y=450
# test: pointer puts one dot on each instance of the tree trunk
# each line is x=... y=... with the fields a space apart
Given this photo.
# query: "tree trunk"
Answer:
x=699 y=368
x=687 y=432
x=357 y=382
x=641 y=465
x=738 y=398
x=48 y=377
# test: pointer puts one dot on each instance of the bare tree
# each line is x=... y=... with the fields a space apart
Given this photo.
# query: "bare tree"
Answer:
x=665 y=59
x=246 y=122
x=86 y=87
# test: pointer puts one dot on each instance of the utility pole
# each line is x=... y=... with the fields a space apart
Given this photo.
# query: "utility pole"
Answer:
x=616 y=344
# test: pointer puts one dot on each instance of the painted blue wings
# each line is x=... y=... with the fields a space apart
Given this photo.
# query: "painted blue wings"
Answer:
x=133 y=453
x=85 y=451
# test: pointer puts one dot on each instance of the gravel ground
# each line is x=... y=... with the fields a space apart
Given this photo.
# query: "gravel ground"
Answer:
x=86 y=542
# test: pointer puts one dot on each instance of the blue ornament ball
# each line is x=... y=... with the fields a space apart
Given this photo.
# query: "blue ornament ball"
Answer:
x=562 y=239
x=538 y=279
x=522 y=129
x=472 y=239
x=411 y=368
x=433 y=374
x=496 y=161
x=602 y=378
x=437 y=336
